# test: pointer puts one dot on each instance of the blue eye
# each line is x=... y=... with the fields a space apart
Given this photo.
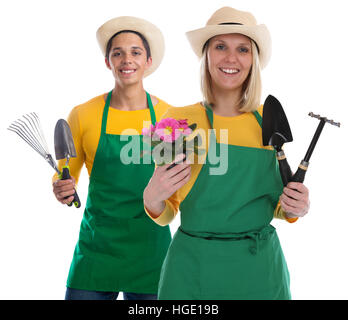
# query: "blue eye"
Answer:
x=244 y=49
x=220 y=47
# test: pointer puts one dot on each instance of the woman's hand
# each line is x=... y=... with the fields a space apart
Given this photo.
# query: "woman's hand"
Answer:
x=295 y=200
x=64 y=188
x=164 y=183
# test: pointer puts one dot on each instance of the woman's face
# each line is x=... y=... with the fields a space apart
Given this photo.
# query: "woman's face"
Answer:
x=229 y=60
x=127 y=58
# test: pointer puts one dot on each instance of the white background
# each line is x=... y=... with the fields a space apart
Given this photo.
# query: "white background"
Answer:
x=50 y=62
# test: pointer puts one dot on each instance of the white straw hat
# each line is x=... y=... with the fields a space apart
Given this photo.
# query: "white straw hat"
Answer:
x=150 y=32
x=228 y=20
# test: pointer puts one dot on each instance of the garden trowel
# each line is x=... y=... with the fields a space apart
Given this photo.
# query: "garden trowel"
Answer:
x=275 y=132
x=65 y=149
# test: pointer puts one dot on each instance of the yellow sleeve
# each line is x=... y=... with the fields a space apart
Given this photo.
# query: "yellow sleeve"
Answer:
x=166 y=216
x=279 y=213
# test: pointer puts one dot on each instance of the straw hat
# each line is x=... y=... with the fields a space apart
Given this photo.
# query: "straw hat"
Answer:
x=151 y=33
x=228 y=20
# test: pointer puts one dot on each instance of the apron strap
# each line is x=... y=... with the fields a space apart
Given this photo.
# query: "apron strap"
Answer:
x=152 y=111
x=107 y=105
x=105 y=113
x=210 y=114
x=258 y=118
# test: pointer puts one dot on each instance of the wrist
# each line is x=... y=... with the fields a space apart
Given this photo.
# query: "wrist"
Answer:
x=154 y=209
x=289 y=215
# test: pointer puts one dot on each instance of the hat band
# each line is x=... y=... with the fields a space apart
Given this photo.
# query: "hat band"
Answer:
x=229 y=23
x=240 y=24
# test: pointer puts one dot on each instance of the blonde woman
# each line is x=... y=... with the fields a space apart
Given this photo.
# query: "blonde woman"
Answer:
x=225 y=247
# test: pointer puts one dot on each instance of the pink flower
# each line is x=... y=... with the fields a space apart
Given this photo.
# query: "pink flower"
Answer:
x=148 y=131
x=168 y=129
x=184 y=128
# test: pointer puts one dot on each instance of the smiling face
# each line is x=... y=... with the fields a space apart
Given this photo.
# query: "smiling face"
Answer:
x=128 y=58
x=229 y=59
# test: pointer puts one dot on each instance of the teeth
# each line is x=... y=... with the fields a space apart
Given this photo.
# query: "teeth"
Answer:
x=127 y=71
x=230 y=70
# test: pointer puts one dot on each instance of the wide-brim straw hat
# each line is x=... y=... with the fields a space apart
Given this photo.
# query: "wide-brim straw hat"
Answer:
x=229 y=20
x=151 y=33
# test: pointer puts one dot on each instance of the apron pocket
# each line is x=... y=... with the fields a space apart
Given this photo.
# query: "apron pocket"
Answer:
x=230 y=271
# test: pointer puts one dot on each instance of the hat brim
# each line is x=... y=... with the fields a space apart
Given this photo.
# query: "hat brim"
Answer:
x=151 y=33
x=259 y=34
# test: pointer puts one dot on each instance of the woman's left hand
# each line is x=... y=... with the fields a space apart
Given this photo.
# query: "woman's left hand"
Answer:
x=295 y=200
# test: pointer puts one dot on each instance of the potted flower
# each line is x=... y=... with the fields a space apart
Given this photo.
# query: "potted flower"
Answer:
x=170 y=137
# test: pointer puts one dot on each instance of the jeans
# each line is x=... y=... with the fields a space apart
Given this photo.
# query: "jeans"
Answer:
x=77 y=294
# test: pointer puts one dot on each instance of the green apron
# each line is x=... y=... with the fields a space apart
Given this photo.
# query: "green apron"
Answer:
x=225 y=247
x=119 y=247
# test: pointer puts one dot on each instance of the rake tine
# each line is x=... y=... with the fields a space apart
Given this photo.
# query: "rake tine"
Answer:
x=18 y=128
x=13 y=128
x=40 y=131
x=32 y=125
x=35 y=131
x=31 y=135
x=29 y=129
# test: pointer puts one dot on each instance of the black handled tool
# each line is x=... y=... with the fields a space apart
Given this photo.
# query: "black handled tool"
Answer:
x=302 y=168
x=275 y=132
x=65 y=149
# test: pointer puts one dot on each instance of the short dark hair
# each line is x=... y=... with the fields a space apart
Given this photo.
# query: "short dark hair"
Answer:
x=145 y=43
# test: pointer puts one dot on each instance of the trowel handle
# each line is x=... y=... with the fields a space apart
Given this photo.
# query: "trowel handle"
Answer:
x=65 y=176
x=284 y=168
x=299 y=175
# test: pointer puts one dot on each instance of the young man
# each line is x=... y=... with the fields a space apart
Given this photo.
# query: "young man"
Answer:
x=119 y=248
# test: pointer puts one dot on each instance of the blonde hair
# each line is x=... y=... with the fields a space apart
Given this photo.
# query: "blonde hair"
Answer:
x=251 y=91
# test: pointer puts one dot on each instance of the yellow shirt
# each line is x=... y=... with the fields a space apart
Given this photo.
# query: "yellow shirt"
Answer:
x=243 y=130
x=85 y=124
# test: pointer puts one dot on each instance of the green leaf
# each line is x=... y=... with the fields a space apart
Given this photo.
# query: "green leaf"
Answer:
x=193 y=126
x=197 y=140
x=156 y=143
